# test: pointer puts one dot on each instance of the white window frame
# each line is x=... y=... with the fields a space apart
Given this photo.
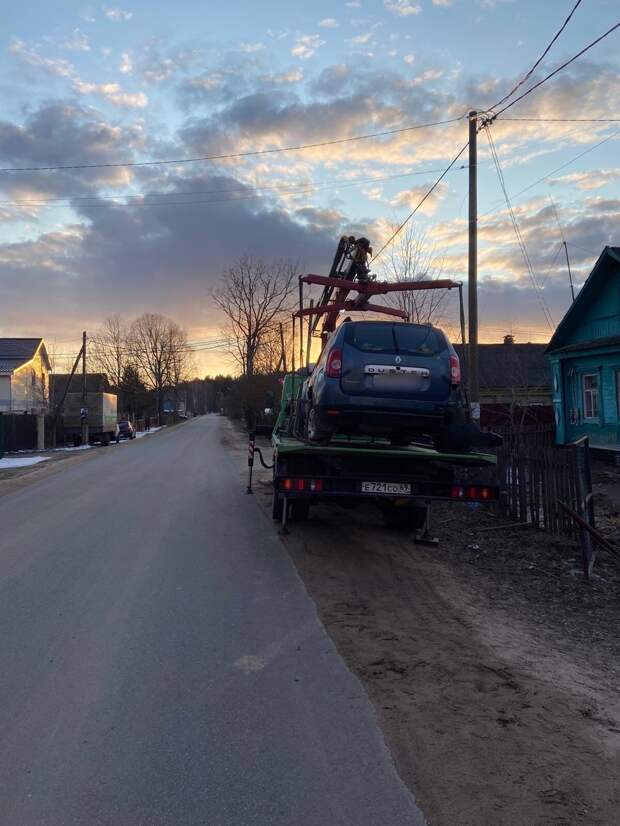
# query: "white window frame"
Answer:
x=591 y=395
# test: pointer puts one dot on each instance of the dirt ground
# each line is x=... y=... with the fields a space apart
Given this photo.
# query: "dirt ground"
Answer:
x=492 y=664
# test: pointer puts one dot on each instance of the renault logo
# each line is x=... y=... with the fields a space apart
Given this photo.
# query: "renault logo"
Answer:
x=398 y=359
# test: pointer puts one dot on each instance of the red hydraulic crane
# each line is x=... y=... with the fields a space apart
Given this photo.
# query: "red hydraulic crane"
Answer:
x=350 y=273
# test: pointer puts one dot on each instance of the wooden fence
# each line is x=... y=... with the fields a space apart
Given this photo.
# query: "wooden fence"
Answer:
x=532 y=480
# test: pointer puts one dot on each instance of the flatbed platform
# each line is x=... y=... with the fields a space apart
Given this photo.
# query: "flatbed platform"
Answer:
x=285 y=444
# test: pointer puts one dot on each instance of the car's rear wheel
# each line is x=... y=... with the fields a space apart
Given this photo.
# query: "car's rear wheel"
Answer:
x=313 y=431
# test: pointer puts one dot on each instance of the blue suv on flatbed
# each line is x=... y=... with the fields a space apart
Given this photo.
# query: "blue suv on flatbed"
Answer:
x=384 y=378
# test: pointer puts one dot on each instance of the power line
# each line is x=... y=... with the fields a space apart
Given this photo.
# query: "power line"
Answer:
x=557 y=169
x=112 y=200
x=565 y=120
x=520 y=241
x=494 y=115
x=228 y=156
x=421 y=201
x=526 y=77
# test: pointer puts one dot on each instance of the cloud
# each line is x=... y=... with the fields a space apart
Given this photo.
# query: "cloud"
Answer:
x=410 y=198
x=55 y=66
x=291 y=76
x=251 y=48
x=443 y=3
x=329 y=23
x=402 y=8
x=592 y=179
x=362 y=39
x=78 y=42
x=306 y=46
x=59 y=131
x=409 y=59
x=126 y=65
x=113 y=93
x=59 y=67
x=177 y=253
x=118 y=15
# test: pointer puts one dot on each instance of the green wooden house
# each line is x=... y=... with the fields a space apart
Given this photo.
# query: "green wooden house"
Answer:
x=585 y=359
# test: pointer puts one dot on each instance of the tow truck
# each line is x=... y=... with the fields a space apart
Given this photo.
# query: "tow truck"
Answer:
x=355 y=470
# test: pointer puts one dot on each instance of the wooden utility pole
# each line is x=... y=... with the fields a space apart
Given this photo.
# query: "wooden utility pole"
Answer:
x=570 y=275
x=84 y=405
x=472 y=282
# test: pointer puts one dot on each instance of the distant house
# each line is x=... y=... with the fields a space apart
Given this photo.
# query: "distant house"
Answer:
x=515 y=382
x=585 y=359
x=24 y=375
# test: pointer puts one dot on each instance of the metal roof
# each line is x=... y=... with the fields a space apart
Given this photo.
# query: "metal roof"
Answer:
x=511 y=365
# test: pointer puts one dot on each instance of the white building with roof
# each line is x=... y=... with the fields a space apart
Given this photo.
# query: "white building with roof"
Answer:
x=24 y=375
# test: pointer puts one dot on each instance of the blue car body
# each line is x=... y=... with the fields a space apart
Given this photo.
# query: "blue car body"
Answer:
x=383 y=378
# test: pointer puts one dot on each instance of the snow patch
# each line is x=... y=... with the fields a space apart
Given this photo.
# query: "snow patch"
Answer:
x=22 y=461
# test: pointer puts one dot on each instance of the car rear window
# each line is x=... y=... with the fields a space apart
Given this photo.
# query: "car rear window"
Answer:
x=396 y=338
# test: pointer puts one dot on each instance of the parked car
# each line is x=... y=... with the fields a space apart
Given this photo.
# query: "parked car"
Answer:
x=384 y=378
x=126 y=429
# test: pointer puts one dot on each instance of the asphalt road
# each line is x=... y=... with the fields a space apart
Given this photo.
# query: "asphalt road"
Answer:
x=161 y=662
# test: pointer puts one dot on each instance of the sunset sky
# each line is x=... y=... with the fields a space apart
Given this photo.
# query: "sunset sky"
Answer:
x=103 y=84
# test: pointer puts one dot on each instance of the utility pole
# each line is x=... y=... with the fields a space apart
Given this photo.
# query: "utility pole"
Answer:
x=570 y=275
x=84 y=406
x=472 y=279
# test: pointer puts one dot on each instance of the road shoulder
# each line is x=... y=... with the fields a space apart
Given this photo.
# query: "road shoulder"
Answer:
x=494 y=708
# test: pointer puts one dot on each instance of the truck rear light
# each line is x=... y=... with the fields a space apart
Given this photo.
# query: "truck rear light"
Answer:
x=472 y=493
x=314 y=485
x=334 y=364
x=455 y=371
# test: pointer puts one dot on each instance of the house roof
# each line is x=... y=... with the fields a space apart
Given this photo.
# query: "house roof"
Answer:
x=608 y=258
x=608 y=341
x=14 y=352
x=511 y=365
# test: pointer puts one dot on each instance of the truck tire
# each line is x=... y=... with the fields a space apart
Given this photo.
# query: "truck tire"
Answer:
x=105 y=439
x=404 y=517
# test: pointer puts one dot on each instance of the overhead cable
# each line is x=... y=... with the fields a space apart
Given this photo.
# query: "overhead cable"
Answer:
x=230 y=155
x=421 y=201
x=526 y=77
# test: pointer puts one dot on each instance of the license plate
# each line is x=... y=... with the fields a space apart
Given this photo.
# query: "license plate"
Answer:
x=386 y=487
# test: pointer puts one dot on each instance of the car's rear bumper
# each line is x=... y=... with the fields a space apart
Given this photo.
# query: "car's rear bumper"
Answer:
x=347 y=419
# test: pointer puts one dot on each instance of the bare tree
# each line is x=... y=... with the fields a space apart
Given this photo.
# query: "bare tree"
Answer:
x=411 y=258
x=109 y=351
x=255 y=296
x=158 y=347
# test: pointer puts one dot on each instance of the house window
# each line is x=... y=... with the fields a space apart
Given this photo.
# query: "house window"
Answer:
x=590 y=396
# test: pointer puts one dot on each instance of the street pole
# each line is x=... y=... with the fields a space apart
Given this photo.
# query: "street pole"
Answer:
x=570 y=275
x=472 y=282
x=84 y=407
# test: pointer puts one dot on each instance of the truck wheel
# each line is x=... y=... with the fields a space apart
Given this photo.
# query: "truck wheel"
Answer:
x=105 y=439
x=404 y=517
x=277 y=507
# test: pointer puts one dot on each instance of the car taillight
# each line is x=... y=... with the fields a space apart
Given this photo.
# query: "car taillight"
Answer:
x=334 y=364
x=455 y=370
